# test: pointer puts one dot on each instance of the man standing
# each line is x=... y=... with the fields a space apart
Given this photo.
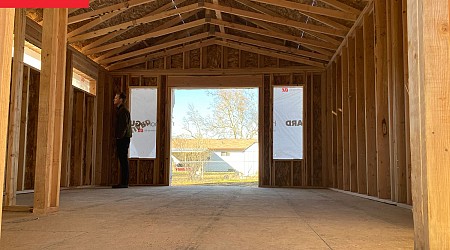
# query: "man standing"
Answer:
x=123 y=135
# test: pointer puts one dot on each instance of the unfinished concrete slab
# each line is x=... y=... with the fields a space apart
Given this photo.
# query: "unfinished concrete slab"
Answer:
x=210 y=217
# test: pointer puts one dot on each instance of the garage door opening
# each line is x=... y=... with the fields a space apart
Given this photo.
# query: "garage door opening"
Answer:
x=214 y=137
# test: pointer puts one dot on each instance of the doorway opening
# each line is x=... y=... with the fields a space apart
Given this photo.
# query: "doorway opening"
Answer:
x=214 y=137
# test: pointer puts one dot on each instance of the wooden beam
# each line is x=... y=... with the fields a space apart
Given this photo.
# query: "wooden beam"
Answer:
x=167 y=24
x=429 y=49
x=382 y=103
x=212 y=72
x=68 y=118
x=345 y=120
x=316 y=17
x=341 y=6
x=134 y=23
x=114 y=34
x=53 y=61
x=153 y=34
x=310 y=9
x=352 y=115
x=15 y=108
x=6 y=43
x=256 y=50
x=360 y=111
x=370 y=114
x=399 y=101
x=339 y=134
x=281 y=48
x=55 y=181
x=23 y=130
x=169 y=52
x=155 y=48
x=106 y=10
x=94 y=23
x=276 y=20
x=274 y=34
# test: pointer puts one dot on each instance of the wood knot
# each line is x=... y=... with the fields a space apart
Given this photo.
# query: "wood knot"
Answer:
x=444 y=28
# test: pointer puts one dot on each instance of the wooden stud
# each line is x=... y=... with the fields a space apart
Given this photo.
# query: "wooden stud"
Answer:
x=78 y=139
x=339 y=132
x=100 y=111
x=334 y=124
x=369 y=85
x=23 y=130
x=382 y=104
x=55 y=181
x=345 y=120
x=68 y=117
x=353 y=156
x=15 y=108
x=360 y=112
x=54 y=34
x=6 y=43
x=429 y=49
x=406 y=91
x=399 y=102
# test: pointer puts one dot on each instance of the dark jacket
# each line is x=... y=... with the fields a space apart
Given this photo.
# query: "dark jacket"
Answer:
x=123 y=122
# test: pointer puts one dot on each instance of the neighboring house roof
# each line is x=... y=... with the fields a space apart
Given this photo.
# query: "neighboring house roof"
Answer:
x=212 y=144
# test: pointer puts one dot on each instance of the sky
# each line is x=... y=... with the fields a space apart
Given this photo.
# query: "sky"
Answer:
x=181 y=98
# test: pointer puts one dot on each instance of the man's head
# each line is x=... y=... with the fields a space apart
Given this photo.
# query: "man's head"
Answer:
x=120 y=99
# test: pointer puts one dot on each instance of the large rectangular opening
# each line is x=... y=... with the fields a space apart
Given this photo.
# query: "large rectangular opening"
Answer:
x=214 y=137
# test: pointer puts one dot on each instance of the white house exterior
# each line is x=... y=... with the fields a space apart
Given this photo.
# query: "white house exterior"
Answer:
x=225 y=155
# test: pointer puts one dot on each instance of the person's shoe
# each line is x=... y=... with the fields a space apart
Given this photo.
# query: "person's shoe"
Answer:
x=120 y=186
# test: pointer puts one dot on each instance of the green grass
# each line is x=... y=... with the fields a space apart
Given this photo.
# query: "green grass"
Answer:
x=216 y=178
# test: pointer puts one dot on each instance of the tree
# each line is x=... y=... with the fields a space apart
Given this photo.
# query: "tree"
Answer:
x=234 y=115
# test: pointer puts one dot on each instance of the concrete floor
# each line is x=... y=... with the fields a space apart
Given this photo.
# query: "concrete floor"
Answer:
x=209 y=217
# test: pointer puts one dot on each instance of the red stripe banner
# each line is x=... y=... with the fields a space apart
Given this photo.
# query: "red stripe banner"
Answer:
x=44 y=3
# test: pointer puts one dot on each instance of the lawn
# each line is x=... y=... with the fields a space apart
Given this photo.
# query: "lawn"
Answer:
x=212 y=178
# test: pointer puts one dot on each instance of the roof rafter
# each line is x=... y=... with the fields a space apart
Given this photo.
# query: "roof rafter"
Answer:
x=136 y=22
x=169 y=52
x=275 y=34
x=277 y=20
x=156 y=48
x=319 y=18
x=107 y=9
x=311 y=9
x=168 y=24
x=273 y=46
x=341 y=6
x=153 y=34
x=271 y=53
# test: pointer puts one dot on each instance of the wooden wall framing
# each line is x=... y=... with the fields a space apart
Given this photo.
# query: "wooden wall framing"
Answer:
x=368 y=75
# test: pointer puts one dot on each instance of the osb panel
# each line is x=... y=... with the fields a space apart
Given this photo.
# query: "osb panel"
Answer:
x=135 y=81
x=317 y=133
x=268 y=61
x=249 y=60
x=285 y=63
x=282 y=173
x=176 y=61
x=133 y=165
x=297 y=173
x=146 y=171
x=194 y=59
x=117 y=82
x=149 y=81
x=214 y=58
x=30 y=160
x=279 y=79
x=233 y=58
x=156 y=64
x=299 y=79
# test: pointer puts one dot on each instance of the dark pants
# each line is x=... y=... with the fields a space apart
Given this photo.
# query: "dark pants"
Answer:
x=122 y=152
